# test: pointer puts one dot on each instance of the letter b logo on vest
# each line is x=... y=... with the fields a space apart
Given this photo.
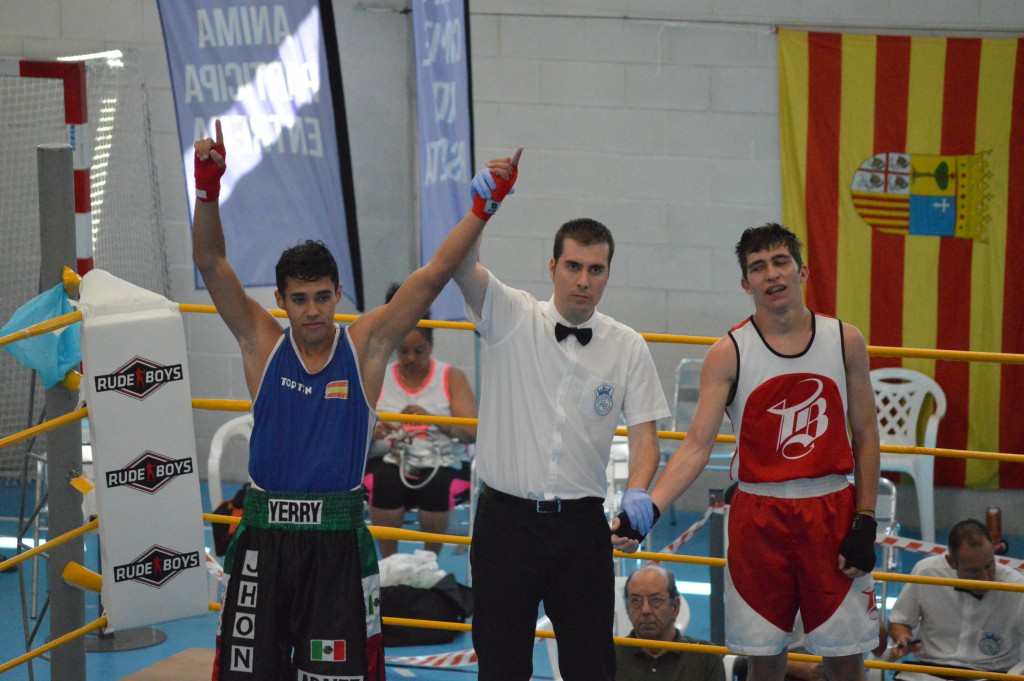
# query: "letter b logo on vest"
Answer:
x=139 y=378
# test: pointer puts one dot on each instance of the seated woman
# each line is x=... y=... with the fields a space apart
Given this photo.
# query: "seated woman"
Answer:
x=418 y=384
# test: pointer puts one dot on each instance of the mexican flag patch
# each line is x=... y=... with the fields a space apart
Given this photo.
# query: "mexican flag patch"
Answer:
x=327 y=651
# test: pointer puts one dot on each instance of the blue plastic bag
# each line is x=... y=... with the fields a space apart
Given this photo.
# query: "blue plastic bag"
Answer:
x=51 y=354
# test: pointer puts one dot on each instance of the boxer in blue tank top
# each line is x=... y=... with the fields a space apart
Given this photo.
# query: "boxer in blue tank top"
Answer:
x=302 y=546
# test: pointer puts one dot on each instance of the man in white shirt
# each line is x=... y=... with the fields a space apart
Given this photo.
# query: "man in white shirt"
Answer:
x=556 y=376
x=967 y=629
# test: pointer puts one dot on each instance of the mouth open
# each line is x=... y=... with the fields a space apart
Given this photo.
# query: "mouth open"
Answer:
x=775 y=289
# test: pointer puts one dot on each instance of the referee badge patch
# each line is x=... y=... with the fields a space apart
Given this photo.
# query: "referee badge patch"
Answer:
x=603 y=400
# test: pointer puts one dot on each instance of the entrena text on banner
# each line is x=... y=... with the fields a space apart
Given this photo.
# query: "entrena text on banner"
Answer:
x=267 y=133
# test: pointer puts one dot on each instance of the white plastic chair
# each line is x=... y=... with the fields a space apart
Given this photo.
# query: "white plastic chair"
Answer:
x=240 y=426
x=899 y=400
x=621 y=627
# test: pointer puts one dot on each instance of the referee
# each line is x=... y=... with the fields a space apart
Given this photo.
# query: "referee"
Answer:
x=556 y=377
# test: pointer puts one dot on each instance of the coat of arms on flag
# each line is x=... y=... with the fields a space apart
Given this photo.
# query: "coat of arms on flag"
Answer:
x=924 y=194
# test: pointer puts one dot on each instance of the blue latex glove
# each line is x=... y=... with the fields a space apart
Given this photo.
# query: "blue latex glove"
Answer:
x=482 y=184
x=636 y=504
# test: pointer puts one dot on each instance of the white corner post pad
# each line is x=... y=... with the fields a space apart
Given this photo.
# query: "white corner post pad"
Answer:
x=136 y=386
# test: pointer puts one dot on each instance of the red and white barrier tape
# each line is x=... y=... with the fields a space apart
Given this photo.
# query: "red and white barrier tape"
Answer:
x=692 y=529
x=215 y=569
x=918 y=546
x=458 y=658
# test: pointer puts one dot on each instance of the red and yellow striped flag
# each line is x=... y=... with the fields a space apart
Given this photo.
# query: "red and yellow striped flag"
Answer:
x=903 y=171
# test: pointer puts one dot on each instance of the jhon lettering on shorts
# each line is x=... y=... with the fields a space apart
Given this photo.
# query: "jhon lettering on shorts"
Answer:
x=296 y=511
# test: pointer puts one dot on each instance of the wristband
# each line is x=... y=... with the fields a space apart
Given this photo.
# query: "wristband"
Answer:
x=626 y=528
x=859 y=511
x=484 y=208
x=858 y=547
x=208 y=175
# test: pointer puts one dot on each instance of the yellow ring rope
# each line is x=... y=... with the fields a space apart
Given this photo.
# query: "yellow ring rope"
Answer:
x=873 y=350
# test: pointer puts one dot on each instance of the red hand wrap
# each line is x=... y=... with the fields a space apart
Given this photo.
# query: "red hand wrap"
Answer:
x=485 y=208
x=208 y=175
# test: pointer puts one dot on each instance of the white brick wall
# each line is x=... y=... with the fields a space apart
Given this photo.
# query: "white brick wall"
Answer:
x=662 y=124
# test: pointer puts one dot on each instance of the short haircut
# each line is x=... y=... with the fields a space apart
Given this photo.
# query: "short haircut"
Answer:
x=585 y=231
x=970 y=532
x=307 y=261
x=427 y=332
x=765 y=237
x=670 y=579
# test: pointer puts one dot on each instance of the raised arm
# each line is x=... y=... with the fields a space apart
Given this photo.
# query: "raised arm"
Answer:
x=253 y=327
x=489 y=187
x=377 y=333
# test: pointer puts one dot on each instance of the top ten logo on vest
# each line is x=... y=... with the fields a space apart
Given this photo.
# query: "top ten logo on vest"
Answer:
x=139 y=378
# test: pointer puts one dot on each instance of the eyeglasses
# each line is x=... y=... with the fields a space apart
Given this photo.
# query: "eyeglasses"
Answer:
x=655 y=601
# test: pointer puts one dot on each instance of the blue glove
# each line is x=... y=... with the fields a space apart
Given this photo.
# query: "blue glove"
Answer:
x=482 y=184
x=488 y=191
x=626 y=530
x=636 y=504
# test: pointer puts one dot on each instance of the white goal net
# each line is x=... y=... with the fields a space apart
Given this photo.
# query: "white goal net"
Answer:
x=127 y=236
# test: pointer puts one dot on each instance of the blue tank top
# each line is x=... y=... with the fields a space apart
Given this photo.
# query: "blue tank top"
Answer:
x=311 y=432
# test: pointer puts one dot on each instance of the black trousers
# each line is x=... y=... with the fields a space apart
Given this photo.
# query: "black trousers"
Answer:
x=521 y=557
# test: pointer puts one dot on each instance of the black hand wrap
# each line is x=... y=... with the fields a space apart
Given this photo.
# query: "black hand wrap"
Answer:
x=859 y=545
x=626 y=528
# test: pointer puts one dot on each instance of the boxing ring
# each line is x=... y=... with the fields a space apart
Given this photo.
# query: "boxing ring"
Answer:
x=77 y=575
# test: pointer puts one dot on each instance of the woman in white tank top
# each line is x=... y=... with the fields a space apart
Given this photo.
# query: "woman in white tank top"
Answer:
x=418 y=384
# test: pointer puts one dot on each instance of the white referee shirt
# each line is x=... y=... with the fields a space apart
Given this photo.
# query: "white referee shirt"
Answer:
x=958 y=629
x=548 y=410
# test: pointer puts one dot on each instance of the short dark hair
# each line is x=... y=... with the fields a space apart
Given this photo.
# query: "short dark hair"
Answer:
x=307 y=261
x=427 y=332
x=970 y=532
x=768 y=235
x=587 y=232
x=673 y=589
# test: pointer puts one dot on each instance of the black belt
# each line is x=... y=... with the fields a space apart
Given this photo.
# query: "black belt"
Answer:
x=541 y=505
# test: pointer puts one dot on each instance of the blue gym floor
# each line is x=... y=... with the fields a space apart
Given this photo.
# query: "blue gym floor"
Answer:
x=199 y=632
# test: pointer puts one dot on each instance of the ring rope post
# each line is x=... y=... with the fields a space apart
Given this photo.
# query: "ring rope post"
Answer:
x=63 y=445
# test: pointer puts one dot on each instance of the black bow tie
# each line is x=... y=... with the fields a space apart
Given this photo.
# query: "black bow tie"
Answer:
x=582 y=335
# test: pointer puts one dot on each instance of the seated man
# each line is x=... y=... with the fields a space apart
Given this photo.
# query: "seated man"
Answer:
x=652 y=602
x=954 y=627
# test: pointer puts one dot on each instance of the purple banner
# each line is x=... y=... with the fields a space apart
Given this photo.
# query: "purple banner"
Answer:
x=262 y=69
x=445 y=135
